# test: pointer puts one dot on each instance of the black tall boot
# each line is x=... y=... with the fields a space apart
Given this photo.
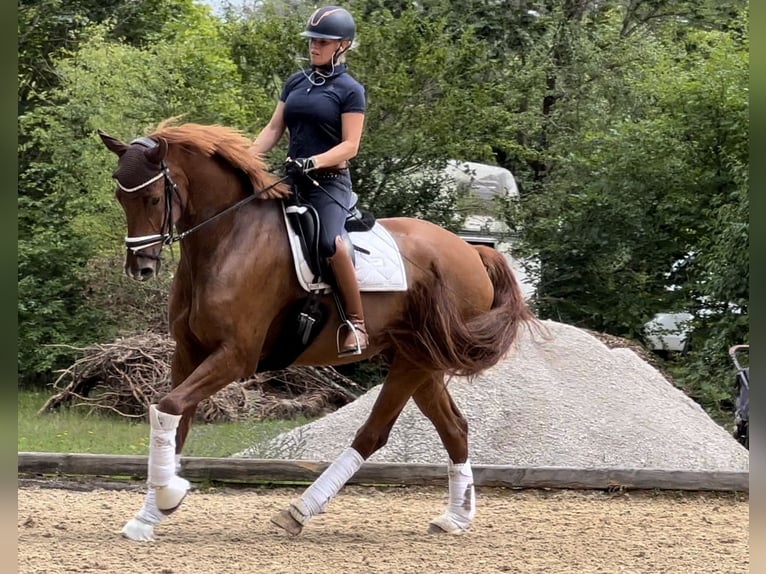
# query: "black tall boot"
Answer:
x=356 y=339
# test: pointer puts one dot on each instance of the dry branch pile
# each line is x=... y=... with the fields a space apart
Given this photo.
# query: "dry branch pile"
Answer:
x=126 y=376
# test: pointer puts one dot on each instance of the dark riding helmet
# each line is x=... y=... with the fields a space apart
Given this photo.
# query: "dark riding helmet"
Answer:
x=331 y=22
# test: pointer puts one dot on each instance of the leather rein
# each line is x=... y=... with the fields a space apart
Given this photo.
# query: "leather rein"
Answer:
x=166 y=235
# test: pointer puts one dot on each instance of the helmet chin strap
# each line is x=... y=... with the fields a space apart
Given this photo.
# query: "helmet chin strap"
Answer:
x=317 y=77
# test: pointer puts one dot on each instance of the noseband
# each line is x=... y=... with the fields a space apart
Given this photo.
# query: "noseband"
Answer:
x=166 y=236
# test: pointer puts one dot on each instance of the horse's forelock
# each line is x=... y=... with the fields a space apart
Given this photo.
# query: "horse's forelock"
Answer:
x=228 y=143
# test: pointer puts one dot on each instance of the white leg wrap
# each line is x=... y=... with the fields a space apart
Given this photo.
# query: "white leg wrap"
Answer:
x=462 y=499
x=324 y=488
x=170 y=488
x=141 y=527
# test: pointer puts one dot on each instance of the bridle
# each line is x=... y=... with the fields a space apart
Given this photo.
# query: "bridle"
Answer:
x=166 y=235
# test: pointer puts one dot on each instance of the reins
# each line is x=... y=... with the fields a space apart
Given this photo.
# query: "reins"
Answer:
x=178 y=237
x=166 y=235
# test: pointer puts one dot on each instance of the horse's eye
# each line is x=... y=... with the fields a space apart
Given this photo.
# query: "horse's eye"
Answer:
x=155 y=200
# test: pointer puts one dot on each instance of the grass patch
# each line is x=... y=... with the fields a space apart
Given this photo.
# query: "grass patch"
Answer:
x=78 y=431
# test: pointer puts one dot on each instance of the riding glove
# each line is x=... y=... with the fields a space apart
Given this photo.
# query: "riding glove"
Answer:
x=299 y=166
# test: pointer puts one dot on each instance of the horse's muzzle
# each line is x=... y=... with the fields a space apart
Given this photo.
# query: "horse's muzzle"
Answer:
x=141 y=267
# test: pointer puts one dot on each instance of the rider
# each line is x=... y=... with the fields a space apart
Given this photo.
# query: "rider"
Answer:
x=323 y=109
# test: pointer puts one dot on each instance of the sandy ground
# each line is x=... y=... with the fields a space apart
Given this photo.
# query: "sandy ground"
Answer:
x=369 y=530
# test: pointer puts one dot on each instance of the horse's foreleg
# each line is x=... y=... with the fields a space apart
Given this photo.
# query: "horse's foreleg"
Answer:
x=166 y=490
x=170 y=421
x=396 y=391
x=435 y=402
x=141 y=527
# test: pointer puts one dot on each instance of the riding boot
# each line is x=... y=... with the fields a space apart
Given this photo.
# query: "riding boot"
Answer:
x=342 y=266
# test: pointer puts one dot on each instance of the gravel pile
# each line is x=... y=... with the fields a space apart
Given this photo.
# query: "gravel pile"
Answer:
x=567 y=400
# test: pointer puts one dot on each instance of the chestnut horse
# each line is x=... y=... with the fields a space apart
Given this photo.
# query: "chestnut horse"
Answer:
x=236 y=283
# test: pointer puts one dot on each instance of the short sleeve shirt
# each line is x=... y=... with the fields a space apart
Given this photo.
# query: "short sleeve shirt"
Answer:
x=313 y=113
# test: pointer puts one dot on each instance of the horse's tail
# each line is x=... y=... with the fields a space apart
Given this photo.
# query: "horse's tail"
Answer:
x=509 y=309
x=435 y=335
x=508 y=294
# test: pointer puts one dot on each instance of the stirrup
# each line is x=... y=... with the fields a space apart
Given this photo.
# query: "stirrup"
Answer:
x=357 y=350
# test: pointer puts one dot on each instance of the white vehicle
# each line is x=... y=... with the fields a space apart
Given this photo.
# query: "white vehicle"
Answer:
x=668 y=332
x=485 y=180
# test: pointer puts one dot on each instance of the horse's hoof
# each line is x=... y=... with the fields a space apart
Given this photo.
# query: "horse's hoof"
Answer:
x=444 y=525
x=287 y=523
x=138 y=530
x=170 y=497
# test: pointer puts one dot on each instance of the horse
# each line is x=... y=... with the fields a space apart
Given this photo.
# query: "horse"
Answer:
x=235 y=289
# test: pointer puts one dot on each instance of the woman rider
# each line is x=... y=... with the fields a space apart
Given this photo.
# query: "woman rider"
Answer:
x=323 y=109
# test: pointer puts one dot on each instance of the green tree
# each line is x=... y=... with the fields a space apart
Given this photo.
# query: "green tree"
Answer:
x=623 y=121
x=645 y=167
x=49 y=27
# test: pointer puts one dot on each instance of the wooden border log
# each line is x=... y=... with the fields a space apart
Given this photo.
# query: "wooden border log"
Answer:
x=248 y=470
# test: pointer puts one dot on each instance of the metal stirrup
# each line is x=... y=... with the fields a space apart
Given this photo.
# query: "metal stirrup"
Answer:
x=357 y=338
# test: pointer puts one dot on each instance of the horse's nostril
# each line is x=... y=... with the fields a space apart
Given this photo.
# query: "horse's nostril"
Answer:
x=146 y=273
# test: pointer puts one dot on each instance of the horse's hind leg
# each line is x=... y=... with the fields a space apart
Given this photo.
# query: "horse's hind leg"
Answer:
x=403 y=379
x=435 y=402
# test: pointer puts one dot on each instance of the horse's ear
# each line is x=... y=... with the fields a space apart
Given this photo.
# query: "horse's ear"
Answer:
x=113 y=143
x=157 y=153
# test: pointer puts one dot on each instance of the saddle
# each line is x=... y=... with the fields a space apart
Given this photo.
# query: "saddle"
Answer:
x=379 y=267
x=306 y=318
x=304 y=220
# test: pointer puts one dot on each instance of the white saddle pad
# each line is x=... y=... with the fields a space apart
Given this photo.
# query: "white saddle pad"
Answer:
x=380 y=270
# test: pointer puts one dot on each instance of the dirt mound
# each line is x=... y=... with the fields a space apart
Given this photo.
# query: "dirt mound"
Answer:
x=568 y=400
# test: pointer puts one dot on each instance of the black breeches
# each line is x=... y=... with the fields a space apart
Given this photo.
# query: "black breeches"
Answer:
x=331 y=203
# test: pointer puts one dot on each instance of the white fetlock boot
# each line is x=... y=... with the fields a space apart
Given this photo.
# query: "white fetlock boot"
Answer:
x=461 y=509
x=166 y=489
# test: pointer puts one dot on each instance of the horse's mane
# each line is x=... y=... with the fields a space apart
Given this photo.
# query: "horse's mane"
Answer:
x=228 y=143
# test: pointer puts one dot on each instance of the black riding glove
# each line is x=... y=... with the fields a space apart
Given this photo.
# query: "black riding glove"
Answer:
x=299 y=166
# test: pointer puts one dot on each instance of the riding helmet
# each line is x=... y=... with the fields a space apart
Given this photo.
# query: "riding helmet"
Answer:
x=331 y=22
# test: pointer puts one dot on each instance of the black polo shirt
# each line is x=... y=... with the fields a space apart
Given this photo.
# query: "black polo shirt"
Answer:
x=313 y=113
